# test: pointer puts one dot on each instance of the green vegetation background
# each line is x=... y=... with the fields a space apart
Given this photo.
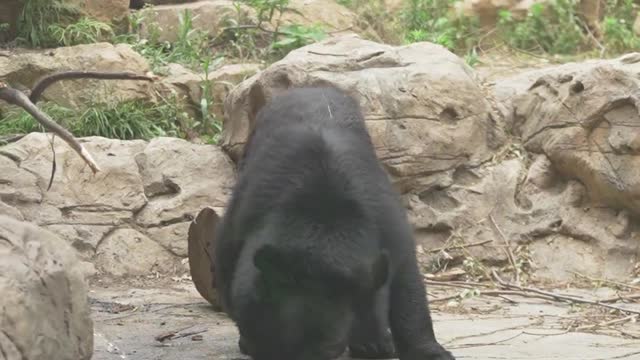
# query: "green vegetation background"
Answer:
x=547 y=29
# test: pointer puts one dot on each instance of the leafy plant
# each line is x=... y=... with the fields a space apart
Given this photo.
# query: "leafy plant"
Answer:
x=206 y=100
x=267 y=9
x=190 y=48
x=295 y=36
x=433 y=21
x=552 y=28
x=84 y=31
x=471 y=58
x=259 y=41
x=127 y=120
x=37 y=17
x=617 y=26
x=17 y=121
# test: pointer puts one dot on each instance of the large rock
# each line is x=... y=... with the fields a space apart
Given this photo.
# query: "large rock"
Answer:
x=424 y=110
x=45 y=313
x=211 y=16
x=568 y=191
x=329 y=14
x=220 y=81
x=131 y=217
x=162 y=23
x=24 y=68
x=545 y=217
x=104 y=10
x=585 y=118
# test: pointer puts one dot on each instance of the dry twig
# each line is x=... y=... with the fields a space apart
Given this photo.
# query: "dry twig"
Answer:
x=461 y=246
x=528 y=291
x=184 y=332
x=18 y=98
x=510 y=256
x=45 y=82
x=606 y=281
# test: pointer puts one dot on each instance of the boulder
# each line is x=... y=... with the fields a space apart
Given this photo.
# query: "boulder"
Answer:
x=425 y=112
x=583 y=117
x=22 y=69
x=104 y=10
x=130 y=218
x=527 y=203
x=189 y=85
x=45 y=312
x=162 y=22
x=569 y=190
x=329 y=14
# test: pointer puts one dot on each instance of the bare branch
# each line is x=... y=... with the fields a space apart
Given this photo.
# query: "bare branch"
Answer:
x=529 y=291
x=49 y=80
x=16 y=97
x=510 y=256
x=461 y=246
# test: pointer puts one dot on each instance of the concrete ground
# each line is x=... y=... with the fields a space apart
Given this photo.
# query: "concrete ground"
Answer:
x=127 y=320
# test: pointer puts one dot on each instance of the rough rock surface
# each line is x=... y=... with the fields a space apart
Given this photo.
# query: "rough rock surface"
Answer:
x=425 y=112
x=44 y=312
x=189 y=85
x=104 y=10
x=331 y=15
x=163 y=21
x=586 y=118
x=22 y=69
x=132 y=218
x=565 y=193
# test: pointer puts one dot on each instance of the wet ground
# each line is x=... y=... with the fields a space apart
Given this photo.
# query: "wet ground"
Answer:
x=129 y=321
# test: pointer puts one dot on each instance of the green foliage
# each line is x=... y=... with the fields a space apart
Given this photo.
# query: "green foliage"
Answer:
x=553 y=28
x=189 y=49
x=618 y=36
x=208 y=125
x=433 y=21
x=267 y=9
x=84 y=31
x=258 y=42
x=295 y=36
x=617 y=26
x=471 y=58
x=127 y=120
x=17 y=121
x=38 y=16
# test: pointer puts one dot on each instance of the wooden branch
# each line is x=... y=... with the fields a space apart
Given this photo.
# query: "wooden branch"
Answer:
x=561 y=297
x=606 y=281
x=510 y=256
x=49 y=80
x=461 y=246
x=16 y=97
x=188 y=331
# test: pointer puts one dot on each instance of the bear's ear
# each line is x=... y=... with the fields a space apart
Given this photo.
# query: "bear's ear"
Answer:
x=271 y=263
x=380 y=270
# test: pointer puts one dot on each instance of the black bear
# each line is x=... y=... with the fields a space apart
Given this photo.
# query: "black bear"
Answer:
x=315 y=253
